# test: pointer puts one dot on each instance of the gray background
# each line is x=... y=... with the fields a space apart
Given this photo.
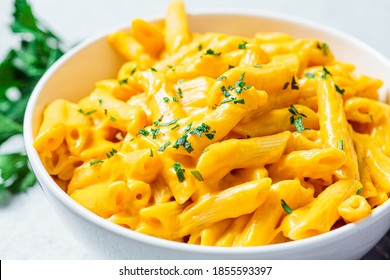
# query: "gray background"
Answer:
x=28 y=227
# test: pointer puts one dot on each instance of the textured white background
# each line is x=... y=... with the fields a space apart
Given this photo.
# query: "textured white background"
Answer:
x=28 y=227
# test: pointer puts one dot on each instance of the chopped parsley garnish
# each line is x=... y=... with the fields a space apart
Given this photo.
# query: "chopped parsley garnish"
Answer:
x=200 y=47
x=359 y=191
x=175 y=126
x=95 y=162
x=285 y=206
x=225 y=91
x=324 y=47
x=180 y=92
x=205 y=151
x=87 y=113
x=371 y=117
x=180 y=81
x=241 y=85
x=220 y=78
x=112 y=118
x=155 y=132
x=242 y=46
x=205 y=129
x=123 y=81
x=153 y=69
x=339 y=90
x=341 y=145
x=258 y=65
x=158 y=120
x=105 y=112
x=111 y=153
x=169 y=123
x=144 y=132
x=179 y=171
x=296 y=118
x=294 y=85
x=211 y=52
x=133 y=71
x=174 y=99
x=240 y=101
x=326 y=72
x=197 y=175
x=163 y=147
x=310 y=75
x=151 y=152
x=182 y=141
x=166 y=99
x=100 y=102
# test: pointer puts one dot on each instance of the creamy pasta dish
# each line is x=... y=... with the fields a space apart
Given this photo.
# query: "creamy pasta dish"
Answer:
x=222 y=140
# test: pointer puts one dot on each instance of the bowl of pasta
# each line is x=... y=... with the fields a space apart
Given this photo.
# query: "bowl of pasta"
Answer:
x=216 y=135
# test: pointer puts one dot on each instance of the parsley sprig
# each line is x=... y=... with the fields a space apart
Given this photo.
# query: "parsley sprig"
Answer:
x=20 y=70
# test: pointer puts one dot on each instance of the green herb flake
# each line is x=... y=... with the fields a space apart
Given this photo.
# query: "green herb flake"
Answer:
x=175 y=99
x=163 y=147
x=182 y=141
x=341 y=145
x=111 y=153
x=112 y=118
x=95 y=162
x=175 y=126
x=220 y=78
x=285 y=207
x=144 y=132
x=239 y=101
x=242 y=46
x=225 y=91
x=198 y=176
x=200 y=47
x=324 y=47
x=87 y=113
x=326 y=72
x=153 y=69
x=180 y=92
x=310 y=75
x=169 y=123
x=179 y=171
x=339 y=90
x=151 y=153
x=166 y=99
x=180 y=81
x=211 y=52
x=158 y=120
x=296 y=118
x=123 y=81
x=371 y=117
x=155 y=132
x=359 y=191
x=100 y=102
x=294 y=85
x=133 y=71
x=258 y=65
x=230 y=67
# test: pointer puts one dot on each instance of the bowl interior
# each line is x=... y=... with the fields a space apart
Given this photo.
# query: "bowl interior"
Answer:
x=74 y=75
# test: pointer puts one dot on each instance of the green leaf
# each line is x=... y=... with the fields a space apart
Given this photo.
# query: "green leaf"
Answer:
x=9 y=128
x=15 y=174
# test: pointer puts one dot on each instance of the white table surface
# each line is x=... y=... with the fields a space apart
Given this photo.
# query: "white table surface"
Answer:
x=28 y=227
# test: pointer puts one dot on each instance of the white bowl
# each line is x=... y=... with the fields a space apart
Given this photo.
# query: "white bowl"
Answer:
x=73 y=76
